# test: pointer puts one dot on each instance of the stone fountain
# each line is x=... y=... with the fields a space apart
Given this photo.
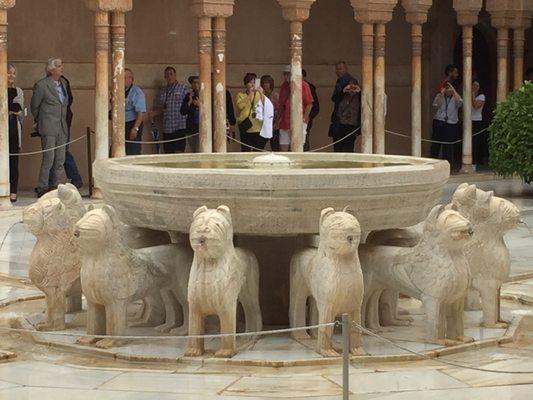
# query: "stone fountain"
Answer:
x=275 y=199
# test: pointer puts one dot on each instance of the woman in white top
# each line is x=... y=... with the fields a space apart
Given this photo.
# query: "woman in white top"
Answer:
x=480 y=140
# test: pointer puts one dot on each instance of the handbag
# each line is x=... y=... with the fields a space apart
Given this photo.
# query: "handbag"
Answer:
x=246 y=124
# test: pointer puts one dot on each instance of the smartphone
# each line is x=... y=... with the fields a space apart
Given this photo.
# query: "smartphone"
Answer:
x=257 y=83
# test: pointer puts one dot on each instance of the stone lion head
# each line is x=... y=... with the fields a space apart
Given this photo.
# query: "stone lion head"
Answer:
x=54 y=213
x=340 y=232
x=211 y=233
x=97 y=228
x=483 y=207
x=448 y=226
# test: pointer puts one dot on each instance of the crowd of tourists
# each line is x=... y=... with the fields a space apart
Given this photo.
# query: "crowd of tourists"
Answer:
x=261 y=114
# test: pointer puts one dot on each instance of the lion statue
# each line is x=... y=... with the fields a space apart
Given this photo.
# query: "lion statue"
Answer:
x=434 y=271
x=488 y=256
x=113 y=274
x=55 y=260
x=331 y=276
x=221 y=275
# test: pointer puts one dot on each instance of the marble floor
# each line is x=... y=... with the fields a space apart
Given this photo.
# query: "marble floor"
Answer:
x=53 y=373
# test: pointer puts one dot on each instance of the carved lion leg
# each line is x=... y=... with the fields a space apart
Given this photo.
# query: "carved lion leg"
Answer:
x=95 y=322
x=490 y=301
x=172 y=310
x=297 y=306
x=355 y=334
x=153 y=311
x=249 y=298
x=388 y=310
x=473 y=301
x=228 y=325
x=435 y=320
x=74 y=302
x=55 y=310
x=372 y=310
x=116 y=323
x=325 y=334
x=195 y=346
x=455 y=322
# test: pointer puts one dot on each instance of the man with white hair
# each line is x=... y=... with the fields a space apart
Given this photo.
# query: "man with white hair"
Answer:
x=49 y=105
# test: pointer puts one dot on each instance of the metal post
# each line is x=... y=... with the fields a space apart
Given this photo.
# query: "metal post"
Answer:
x=89 y=162
x=345 y=357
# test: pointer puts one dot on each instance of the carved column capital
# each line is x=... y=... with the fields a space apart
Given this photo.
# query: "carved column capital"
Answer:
x=7 y=4
x=416 y=11
x=110 y=5
x=500 y=12
x=373 y=11
x=296 y=10
x=212 y=8
x=467 y=11
x=520 y=14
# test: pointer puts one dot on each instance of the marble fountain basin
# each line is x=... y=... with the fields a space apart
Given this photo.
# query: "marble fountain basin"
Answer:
x=162 y=192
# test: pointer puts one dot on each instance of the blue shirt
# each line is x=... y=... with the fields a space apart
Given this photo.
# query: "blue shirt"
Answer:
x=60 y=91
x=135 y=102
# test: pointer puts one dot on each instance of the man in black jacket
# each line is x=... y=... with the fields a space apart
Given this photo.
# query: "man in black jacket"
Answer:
x=314 y=111
x=71 y=169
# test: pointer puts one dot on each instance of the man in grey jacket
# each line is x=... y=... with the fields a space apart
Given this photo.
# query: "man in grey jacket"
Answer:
x=49 y=106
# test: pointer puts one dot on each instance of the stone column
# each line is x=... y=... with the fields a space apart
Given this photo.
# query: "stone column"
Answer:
x=416 y=15
x=377 y=12
x=467 y=16
x=102 y=85
x=520 y=20
x=220 y=10
x=518 y=49
x=219 y=84
x=499 y=10
x=5 y=203
x=205 y=48
x=367 y=90
x=296 y=12
x=118 y=38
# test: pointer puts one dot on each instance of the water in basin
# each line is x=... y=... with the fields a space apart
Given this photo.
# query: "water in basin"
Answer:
x=244 y=164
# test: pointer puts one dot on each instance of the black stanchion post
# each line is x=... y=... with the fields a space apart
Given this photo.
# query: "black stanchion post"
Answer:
x=345 y=357
x=89 y=162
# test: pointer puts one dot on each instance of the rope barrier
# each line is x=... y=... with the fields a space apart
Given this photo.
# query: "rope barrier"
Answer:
x=163 y=141
x=31 y=153
x=310 y=151
x=214 y=336
x=434 y=141
x=334 y=143
x=440 y=360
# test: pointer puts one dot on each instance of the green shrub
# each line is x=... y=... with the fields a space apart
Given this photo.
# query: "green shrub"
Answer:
x=511 y=135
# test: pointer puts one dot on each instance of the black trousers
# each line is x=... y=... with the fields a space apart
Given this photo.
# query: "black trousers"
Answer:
x=133 y=149
x=252 y=142
x=274 y=141
x=480 y=143
x=347 y=144
x=447 y=133
x=178 y=146
x=13 y=160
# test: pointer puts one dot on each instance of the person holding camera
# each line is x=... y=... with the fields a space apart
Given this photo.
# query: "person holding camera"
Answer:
x=348 y=117
x=446 y=124
x=249 y=125
x=174 y=122
x=190 y=108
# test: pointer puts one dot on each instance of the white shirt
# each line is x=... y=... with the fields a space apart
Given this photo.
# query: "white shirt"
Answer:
x=448 y=110
x=477 y=113
x=264 y=111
